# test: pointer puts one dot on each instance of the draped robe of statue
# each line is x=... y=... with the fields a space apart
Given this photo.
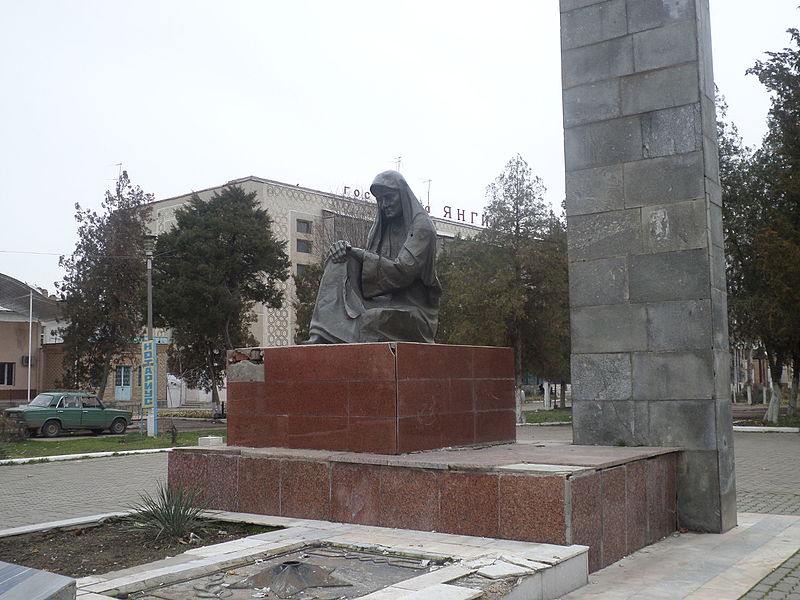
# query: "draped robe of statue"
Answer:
x=393 y=294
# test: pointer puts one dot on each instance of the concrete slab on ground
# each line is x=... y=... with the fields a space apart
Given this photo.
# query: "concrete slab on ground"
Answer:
x=694 y=566
x=542 y=571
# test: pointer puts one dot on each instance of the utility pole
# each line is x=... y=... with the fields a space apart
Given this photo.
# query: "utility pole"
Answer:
x=30 y=339
x=149 y=349
x=428 y=201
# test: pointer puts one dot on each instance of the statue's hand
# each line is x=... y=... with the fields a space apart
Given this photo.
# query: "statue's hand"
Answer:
x=338 y=251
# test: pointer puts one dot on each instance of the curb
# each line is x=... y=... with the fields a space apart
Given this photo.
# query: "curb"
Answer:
x=74 y=522
x=544 y=424
x=22 y=461
x=755 y=429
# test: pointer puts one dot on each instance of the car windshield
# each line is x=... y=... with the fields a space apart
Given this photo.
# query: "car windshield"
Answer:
x=43 y=400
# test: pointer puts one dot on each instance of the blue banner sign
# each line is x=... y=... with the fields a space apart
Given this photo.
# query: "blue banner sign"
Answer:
x=149 y=374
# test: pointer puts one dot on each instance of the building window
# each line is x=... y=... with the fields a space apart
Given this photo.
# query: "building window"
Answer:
x=122 y=376
x=304 y=246
x=303 y=226
x=6 y=373
x=301 y=270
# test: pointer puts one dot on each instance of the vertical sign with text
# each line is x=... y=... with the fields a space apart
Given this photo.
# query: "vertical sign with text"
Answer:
x=148 y=374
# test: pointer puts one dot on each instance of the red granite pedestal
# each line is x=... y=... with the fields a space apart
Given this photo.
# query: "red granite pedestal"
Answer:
x=390 y=397
x=358 y=433
x=613 y=499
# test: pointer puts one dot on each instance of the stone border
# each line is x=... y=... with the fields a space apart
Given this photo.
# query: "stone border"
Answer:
x=756 y=429
x=57 y=457
x=547 y=571
x=92 y=519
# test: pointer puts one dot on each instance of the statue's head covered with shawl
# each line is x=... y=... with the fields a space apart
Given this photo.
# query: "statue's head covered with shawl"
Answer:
x=415 y=220
x=389 y=290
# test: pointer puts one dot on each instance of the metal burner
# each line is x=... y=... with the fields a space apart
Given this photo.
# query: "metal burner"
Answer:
x=290 y=577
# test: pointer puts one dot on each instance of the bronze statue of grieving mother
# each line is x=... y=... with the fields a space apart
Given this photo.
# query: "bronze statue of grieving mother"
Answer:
x=389 y=290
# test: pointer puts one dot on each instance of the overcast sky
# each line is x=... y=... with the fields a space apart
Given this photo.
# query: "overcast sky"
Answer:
x=191 y=94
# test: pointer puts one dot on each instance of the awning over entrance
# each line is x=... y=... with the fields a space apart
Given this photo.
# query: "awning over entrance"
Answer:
x=16 y=295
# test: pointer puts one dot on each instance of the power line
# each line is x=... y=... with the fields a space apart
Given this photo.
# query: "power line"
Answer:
x=64 y=254
x=31 y=252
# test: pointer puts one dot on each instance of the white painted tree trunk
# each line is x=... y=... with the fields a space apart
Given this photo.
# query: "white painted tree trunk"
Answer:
x=774 y=408
x=750 y=374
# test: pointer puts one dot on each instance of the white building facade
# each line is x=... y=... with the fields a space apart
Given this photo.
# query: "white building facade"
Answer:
x=300 y=216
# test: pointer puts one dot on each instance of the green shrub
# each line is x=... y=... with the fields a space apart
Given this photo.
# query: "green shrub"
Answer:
x=174 y=513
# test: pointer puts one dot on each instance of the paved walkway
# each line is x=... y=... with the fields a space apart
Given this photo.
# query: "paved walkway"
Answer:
x=768 y=481
x=696 y=566
x=767 y=473
x=782 y=583
x=42 y=492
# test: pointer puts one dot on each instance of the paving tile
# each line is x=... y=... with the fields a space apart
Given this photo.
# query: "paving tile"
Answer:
x=434 y=577
x=444 y=592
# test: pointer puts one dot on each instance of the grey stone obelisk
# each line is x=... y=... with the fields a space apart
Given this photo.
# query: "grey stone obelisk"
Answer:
x=650 y=362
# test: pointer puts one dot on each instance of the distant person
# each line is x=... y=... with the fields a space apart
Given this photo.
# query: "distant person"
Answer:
x=388 y=291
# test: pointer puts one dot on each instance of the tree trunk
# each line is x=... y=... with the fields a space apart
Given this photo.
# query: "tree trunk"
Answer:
x=215 y=403
x=795 y=389
x=749 y=380
x=563 y=400
x=774 y=408
x=101 y=388
x=518 y=357
x=228 y=341
x=519 y=398
x=518 y=374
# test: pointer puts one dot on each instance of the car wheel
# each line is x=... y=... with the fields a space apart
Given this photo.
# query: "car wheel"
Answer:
x=51 y=428
x=118 y=426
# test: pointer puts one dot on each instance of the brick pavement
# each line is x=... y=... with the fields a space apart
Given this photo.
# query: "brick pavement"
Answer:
x=42 y=492
x=767 y=481
x=767 y=477
x=782 y=584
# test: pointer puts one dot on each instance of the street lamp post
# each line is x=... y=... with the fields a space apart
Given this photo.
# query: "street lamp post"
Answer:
x=149 y=246
x=152 y=413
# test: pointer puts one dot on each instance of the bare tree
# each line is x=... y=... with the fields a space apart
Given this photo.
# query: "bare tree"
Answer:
x=343 y=218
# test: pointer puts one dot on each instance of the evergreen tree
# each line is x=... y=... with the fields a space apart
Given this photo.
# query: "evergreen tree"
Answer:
x=209 y=271
x=306 y=287
x=342 y=219
x=508 y=286
x=778 y=238
x=103 y=286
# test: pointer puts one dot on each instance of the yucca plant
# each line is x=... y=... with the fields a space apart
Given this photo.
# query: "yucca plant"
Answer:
x=173 y=513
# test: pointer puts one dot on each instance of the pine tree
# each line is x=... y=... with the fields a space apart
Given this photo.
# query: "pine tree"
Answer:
x=508 y=285
x=103 y=286
x=221 y=258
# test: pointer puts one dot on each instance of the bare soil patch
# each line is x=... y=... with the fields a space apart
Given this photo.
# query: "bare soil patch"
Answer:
x=109 y=546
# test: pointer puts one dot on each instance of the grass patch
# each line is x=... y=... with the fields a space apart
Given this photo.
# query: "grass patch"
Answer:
x=783 y=421
x=133 y=441
x=548 y=416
